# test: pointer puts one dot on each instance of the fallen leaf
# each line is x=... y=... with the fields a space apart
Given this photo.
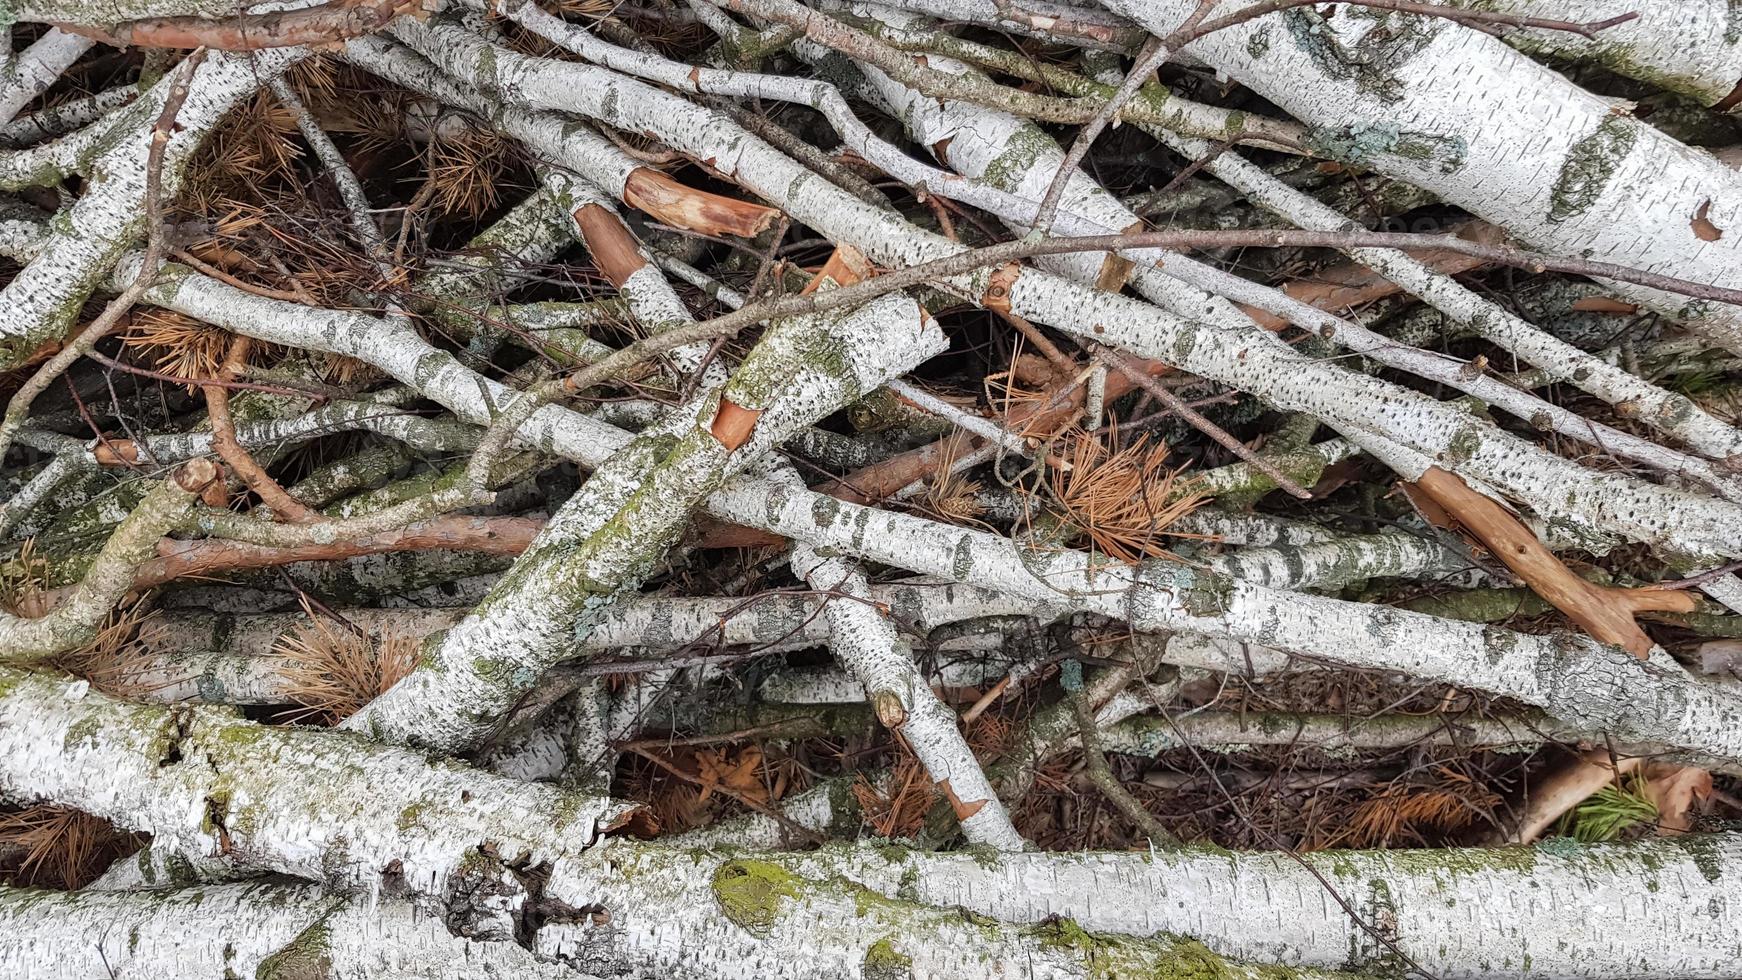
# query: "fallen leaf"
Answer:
x=1674 y=789
x=741 y=776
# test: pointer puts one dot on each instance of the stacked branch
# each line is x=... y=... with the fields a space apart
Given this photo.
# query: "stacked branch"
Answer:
x=493 y=488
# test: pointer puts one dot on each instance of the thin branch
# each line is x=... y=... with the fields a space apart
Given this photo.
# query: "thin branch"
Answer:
x=86 y=342
x=1155 y=54
x=971 y=260
x=337 y=20
x=1178 y=405
x=1101 y=774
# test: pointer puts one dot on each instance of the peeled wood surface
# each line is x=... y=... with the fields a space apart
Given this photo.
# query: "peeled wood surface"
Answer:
x=493 y=535
x=614 y=250
x=685 y=207
x=1605 y=613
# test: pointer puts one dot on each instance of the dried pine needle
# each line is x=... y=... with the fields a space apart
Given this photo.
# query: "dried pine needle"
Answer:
x=181 y=346
x=332 y=672
x=1122 y=498
x=59 y=846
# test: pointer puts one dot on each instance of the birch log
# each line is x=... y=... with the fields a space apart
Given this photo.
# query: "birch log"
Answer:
x=1690 y=46
x=1258 y=364
x=1511 y=912
x=364 y=818
x=613 y=534
x=270 y=931
x=865 y=642
x=1457 y=112
x=82 y=247
x=1574 y=679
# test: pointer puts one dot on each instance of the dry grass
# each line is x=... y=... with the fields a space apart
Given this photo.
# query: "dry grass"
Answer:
x=59 y=847
x=1122 y=498
x=332 y=672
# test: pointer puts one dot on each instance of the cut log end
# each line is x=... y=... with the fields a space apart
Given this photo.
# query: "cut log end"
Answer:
x=997 y=297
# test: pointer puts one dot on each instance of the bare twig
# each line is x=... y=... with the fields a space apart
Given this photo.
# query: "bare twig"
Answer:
x=1101 y=774
x=86 y=342
x=1178 y=405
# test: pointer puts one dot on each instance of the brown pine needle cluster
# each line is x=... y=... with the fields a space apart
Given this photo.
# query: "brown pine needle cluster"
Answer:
x=953 y=497
x=114 y=662
x=1122 y=498
x=1413 y=813
x=258 y=144
x=332 y=672
x=466 y=170
x=24 y=581
x=902 y=811
x=59 y=847
x=180 y=346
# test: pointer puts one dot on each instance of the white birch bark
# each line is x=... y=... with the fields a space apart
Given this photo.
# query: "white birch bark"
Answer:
x=1547 y=912
x=1457 y=112
x=647 y=622
x=1015 y=156
x=80 y=613
x=1557 y=488
x=36 y=68
x=271 y=931
x=362 y=817
x=612 y=535
x=1689 y=46
x=700 y=915
x=1345 y=559
x=1574 y=679
x=865 y=642
x=830 y=685
x=84 y=243
x=1663 y=410
x=1346 y=738
x=61 y=119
